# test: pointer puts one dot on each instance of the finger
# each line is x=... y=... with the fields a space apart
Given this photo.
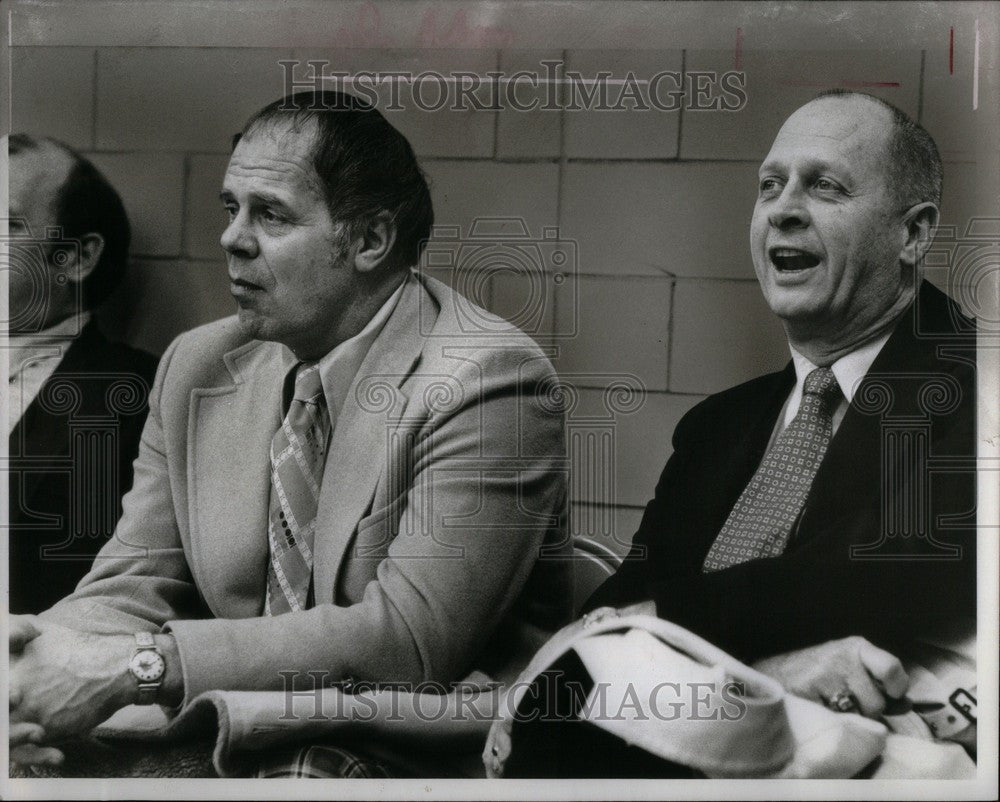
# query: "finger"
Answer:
x=885 y=668
x=23 y=732
x=34 y=755
x=870 y=699
x=22 y=630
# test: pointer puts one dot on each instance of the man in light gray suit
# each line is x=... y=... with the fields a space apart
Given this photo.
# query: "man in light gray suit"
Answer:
x=341 y=479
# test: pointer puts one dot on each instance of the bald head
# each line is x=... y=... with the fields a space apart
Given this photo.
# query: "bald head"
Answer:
x=852 y=128
x=912 y=158
x=38 y=171
x=54 y=187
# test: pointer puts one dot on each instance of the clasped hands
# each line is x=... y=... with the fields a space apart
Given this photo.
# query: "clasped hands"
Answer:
x=63 y=683
x=847 y=669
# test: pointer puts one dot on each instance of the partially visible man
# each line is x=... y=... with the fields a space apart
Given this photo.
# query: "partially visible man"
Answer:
x=76 y=402
x=341 y=481
x=821 y=520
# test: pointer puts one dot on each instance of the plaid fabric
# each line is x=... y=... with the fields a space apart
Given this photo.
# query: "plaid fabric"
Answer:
x=320 y=761
x=298 y=454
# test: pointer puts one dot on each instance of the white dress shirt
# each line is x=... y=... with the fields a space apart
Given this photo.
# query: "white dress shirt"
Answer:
x=338 y=368
x=33 y=358
x=849 y=370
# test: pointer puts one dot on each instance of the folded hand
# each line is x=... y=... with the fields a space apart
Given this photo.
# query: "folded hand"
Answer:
x=62 y=683
x=851 y=671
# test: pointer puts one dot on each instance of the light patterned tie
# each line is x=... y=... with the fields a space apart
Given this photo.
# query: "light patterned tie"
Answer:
x=762 y=519
x=298 y=452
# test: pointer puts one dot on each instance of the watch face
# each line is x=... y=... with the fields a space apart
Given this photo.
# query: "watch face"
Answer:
x=147 y=666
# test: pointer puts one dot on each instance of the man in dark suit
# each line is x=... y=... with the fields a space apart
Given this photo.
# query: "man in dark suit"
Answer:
x=77 y=402
x=821 y=520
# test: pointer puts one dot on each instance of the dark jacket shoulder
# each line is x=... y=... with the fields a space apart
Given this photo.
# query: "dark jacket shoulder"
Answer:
x=93 y=352
x=737 y=407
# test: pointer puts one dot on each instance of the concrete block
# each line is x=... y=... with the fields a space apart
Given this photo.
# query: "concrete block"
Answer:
x=52 y=93
x=465 y=191
x=160 y=299
x=204 y=217
x=431 y=117
x=534 y=133
x=191 y=99
x=968 y=194
x=723 y=334
x=651 y=219
x=150 y=185
x=526 y=299
x=778 y=82
x=962 y=259
x=631 y=130
x=621 y=325
x=961 y=133
x=617 y=457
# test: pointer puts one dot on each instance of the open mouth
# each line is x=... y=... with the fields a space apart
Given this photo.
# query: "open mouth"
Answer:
x=238 y=282
x=789 y=260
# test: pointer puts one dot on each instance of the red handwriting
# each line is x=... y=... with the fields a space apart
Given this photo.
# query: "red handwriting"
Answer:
x=445 y=29
x=365 y=30
x=456 y=32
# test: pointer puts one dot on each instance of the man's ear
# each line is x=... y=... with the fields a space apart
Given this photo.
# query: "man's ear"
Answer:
x=91 y=248
x=920 y=223
x=376 y=243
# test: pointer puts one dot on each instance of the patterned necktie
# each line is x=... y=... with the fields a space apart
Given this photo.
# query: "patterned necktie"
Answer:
x=298 y=452
x=762 y=519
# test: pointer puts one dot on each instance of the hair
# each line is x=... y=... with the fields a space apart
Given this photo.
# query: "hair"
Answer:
x=365 y=165
x=86 y=203
x=915 y=171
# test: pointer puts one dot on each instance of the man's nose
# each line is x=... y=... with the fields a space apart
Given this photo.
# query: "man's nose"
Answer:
x=238 y=239
x=789 y=209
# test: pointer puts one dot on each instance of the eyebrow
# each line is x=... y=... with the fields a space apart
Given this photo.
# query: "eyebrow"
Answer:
x=811 y=165
x=258 y=196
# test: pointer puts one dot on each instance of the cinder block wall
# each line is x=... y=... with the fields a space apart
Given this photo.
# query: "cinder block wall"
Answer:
x=657 y=204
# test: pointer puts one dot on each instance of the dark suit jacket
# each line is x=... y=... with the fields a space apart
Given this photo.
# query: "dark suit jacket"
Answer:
x=901 y=464
x=70 y=462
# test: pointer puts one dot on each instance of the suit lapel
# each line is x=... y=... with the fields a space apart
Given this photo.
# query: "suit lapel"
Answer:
x=361 y=437
x=744 y=447
x=39 y=435
x=230 y=432
x=853 y=463
x=747 y=455
x=730 y=452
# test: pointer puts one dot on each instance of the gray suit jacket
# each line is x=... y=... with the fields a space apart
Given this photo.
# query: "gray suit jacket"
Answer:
x=440 y=539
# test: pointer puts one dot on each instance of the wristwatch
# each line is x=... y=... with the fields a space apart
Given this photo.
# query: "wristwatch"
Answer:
x=148 y=667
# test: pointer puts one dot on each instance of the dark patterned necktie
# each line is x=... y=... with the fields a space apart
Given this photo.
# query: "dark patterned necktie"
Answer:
x=298 y=452
x=762 y=519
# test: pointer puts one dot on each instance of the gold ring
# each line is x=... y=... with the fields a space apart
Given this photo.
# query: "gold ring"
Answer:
x=843 y=701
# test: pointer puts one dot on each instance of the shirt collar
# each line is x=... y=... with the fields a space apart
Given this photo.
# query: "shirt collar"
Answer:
x=849 y=370
x=45 y=343
x=338 y=368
